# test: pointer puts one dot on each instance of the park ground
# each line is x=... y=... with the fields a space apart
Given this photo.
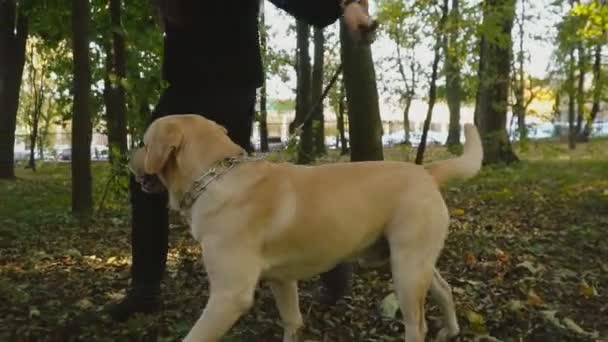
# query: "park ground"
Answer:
x=527 y=257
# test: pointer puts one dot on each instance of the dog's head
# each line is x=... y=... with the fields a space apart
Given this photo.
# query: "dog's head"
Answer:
x=149 y=183
x=179 y=148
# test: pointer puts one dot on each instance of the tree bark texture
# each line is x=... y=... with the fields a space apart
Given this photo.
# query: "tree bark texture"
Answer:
x=493 y=93
x=82 y=201
x=317 y=90
x=12 y=60
x=365 y=126
x=303 y=94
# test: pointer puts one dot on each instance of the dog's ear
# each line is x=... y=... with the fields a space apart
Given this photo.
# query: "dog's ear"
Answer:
x=136 y=161
x=162 y=139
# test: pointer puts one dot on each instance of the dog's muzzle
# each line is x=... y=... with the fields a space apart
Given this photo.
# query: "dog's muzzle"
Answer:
x=150 y=184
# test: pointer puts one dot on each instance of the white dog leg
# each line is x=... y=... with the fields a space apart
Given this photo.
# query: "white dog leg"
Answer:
x=442 y=293
x=412 y=278
x=286 y=297
x=233 y=278
x=221 y=312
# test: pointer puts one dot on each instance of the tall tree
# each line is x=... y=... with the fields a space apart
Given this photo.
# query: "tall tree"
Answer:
x=303 y=96
x=453 y=82
x=341 y=118
x=13 y=36
x=365 y=127
x=37 y=84
x=115 y=96
x=494 y=76
x=317 y=90
x=263 y=115
x=81 y=117
x=571 y=90
x=402 y=25
x=580 y=88
x=597 y=90
x=519 y=83
x=568 y=41
x=593 y=20
x=433 y=82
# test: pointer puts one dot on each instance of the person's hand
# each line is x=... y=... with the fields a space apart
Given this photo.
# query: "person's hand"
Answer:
x=358 y=22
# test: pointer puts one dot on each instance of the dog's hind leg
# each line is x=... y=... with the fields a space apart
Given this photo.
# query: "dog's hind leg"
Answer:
x=442 y=293
x=286 y=297
x=233 y=278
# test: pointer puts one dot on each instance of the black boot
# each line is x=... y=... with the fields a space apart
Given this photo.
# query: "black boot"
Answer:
x=138 y=300
x=337 y=283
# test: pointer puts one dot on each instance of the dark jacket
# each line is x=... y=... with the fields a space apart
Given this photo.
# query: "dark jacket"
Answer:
x=216 y=43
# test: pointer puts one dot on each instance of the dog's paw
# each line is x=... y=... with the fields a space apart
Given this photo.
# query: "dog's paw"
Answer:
x=446 y=334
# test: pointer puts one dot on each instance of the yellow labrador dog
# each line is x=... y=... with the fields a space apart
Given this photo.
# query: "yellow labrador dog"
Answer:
x=281 y=222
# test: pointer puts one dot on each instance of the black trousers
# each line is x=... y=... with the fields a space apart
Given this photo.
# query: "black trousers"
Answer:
x=232 y=108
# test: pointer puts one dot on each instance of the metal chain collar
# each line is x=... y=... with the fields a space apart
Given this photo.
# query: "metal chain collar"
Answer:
x=218 y=169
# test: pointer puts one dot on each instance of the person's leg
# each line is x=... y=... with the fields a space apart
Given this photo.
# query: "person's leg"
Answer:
x=336 y=283
x=149 y=239
x=149 y=244
x=234 y=109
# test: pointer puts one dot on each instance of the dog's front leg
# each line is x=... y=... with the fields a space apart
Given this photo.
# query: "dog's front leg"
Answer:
x=286 y=297
x=232 y=278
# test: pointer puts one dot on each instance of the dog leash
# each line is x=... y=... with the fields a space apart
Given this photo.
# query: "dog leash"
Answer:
x=298 y=130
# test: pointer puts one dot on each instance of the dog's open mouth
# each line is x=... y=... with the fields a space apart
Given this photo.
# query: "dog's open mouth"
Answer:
x=150 y=184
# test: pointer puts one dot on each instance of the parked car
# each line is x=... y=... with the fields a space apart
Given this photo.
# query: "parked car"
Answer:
x=100 y=152
x=64 y=154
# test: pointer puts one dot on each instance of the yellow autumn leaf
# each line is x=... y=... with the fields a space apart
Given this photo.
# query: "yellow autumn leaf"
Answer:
x=534 y=299
x=477 y=321
x=458 y=212
x=586 y=290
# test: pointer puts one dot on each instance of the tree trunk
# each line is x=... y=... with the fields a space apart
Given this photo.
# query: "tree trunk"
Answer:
x=317 y=90
x=263 y=118
x=145 y=113
x=303 y=96
x=406 y=120
x=580 y=89
x=493 y=92
x=452 y=74
x=117 y=126
x=481 y=67
x=572 y=133
x=41 y=146
x=33 y=139
x=433 y=84
x=81 y=116
x=409 y=87
x=364 y=125
x=36 y=83
x=341 y=130
x=597 y=91
x=12 y=59
x=519 y=109
x=109 y=98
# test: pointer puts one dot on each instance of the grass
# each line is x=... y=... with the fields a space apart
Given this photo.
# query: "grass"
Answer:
x=527 y=257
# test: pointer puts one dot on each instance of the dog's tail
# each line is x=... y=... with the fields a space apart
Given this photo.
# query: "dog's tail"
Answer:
x=466 y=165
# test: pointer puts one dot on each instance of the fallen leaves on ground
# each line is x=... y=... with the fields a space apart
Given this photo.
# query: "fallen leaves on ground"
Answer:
x=526 y=256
